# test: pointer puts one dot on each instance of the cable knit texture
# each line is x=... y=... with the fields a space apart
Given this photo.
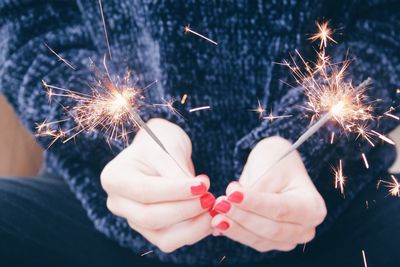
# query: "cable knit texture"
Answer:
x=147 y=37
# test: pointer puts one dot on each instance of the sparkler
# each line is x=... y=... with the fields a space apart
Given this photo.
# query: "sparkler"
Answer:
x=330 y=97
x=188 y=29
x=111 y=106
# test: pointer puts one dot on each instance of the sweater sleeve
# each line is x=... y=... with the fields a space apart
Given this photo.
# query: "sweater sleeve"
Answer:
x=371 y=35
x=25 y=61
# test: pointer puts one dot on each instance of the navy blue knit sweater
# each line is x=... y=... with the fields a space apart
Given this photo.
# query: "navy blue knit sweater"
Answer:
x=147 y=37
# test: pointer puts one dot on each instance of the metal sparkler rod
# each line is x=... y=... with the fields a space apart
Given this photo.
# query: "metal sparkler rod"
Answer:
x=307 y=134
x=143 y=125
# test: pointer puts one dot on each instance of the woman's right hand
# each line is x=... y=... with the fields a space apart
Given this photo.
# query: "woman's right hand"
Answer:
x=144 y=186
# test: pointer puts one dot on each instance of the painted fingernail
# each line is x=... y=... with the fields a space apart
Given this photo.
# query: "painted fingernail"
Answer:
x=236 y=197
x=198 y=188
x=223 y=206
x=223 y=225
x=213 y=212
x=207 y=200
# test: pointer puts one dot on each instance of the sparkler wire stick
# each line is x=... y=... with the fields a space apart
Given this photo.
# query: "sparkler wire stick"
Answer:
x=308 y=133
x=153 y=136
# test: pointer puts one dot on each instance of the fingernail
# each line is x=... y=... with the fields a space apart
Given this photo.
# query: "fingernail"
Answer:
x=207 y=200
x=223 y=225
x=223 y=206
x=213 y=212
x=236 y=197
x=198 y=188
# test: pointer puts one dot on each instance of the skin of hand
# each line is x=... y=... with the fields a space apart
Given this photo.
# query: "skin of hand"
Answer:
x=279 y=211
x=159 y=201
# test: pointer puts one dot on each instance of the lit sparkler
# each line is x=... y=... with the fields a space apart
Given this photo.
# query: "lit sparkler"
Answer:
x=188 y=29
x=330 y=97
x=111 y=106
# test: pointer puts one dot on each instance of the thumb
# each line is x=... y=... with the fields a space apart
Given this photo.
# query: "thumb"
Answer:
x=168 y=150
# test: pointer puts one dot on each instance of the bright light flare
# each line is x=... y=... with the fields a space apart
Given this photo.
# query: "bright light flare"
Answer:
x=324 y=34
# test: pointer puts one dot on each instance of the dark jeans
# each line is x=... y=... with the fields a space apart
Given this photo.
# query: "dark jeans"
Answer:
x=42 y=224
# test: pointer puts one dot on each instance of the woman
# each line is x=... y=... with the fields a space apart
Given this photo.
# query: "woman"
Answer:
x=143 y=201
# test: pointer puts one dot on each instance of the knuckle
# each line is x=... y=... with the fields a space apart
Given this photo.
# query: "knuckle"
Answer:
x=320 y=211
x=106 y=177
x=110 y=205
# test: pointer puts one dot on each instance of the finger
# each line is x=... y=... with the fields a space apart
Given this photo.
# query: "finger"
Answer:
x=178 y=235
x=126 y=181
x=298 y=207
x=161 y=215
x=264 y=227
x=169 y=153
x=236 y=232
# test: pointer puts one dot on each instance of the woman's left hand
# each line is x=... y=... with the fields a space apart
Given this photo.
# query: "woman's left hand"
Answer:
x=282 y=209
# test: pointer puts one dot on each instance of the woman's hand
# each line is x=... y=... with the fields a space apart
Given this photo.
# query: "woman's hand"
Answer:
x=145 y=186
x=278 y=212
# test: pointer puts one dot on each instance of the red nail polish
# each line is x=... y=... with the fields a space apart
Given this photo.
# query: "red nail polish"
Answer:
x=223 y=225
x=207 y=200
x=223 y=206
x=198 y=189
x=213 y=212
x=236 y=197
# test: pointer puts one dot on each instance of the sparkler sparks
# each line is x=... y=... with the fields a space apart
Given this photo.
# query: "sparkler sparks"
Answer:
x=111 y=107
x=393 y=186
x=364 y=258
x=146 y=253
x=105 y=28
x=331 y=97
x=324 y=34
x=66 y=62
x=365 y=160
x=260 y=109
x=199 y=108
x=340 y=179
x=188 y=29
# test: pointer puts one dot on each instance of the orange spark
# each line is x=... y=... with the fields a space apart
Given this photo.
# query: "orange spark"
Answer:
x=183 y=100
